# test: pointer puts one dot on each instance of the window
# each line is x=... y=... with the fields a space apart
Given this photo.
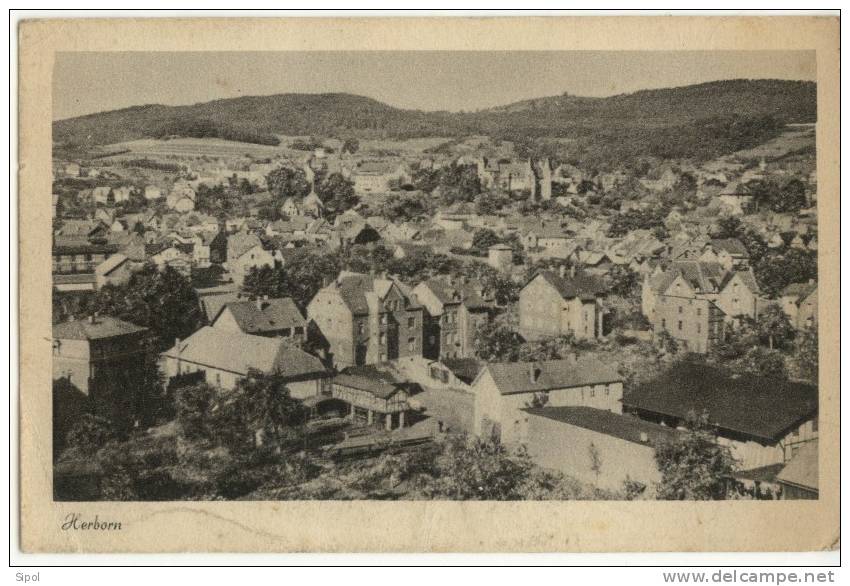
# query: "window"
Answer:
x=699 y=311
x=680 y=309
x=607 y=390
x=411 y=344
x=299 y=330
x=361 y=328
x=382 y=339
x=663 y=323
x=411 y=322
x=218 y=379
x=680 y=325
x=699 y=328
x=592 y=392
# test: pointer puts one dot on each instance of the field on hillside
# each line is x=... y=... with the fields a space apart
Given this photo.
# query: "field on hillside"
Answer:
x=191 y=147
x=792 y=139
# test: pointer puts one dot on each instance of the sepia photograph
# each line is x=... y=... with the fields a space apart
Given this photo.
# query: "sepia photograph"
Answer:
x=394 y=283
x=403 y=276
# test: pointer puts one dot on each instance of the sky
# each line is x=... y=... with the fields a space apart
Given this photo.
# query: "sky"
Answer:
x=84 y=83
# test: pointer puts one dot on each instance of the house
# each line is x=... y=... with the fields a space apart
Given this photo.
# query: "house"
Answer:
x=606 y=449
x=75 y=260
x=799 y=478
x=730 y=253
x=312 y=205
x=501 y=257
x=181 y=198
x=800 y=303
x=378 y=176
x=762 y=421
x=682 y=302
x=374 y=397
x=224 y=356
x=503 y=390
x=103 y=358
x=115 y=270
x=152 y=192
x=244 y=252
x=368 y=319
x=102 y=195
x=736 y=196
x=558 y=304
x=454 y=310
x=290 y=207
x=263 y=317
x=122 y=194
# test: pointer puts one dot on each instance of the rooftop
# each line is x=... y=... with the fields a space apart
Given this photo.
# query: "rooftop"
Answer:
x=625 y=427
x=94 y=328
x=529 y=377
x=265 y=315
x=754 y=406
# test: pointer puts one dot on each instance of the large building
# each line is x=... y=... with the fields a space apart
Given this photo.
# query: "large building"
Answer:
x=763 y=421
x=368 y=319
x=103 y=358
x=454 y=310
x=558 y=304
x=503 y=390
x=224 y=356
x=693 y=300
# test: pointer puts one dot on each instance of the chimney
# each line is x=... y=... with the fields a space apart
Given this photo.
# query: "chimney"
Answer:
x=562 y=270
x=572 y=270
x=93 y=318
x=177 y=344
x=644 y=438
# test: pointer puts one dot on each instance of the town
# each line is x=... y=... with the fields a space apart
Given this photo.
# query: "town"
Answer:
x=354 y=316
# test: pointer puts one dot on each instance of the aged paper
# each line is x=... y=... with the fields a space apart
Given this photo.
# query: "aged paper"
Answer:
x=187 y=525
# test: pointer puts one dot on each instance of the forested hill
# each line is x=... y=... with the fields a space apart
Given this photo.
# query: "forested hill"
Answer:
x=755 y=107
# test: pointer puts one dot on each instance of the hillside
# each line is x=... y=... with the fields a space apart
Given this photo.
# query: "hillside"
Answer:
x=753 y=109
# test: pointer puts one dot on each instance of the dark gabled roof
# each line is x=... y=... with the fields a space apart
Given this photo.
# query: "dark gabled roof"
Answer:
x=465 y=369
x=625 y=427
x=469 y=293
x=354 y=287
x=754 y=406
x=264 y=316
x=799 y=291
x=731 y=245
x=368 y=378
x=702 y=277
x=747 y=278
x=569 y=287
x=213 y=304
x=516 y=377
x=101 y=327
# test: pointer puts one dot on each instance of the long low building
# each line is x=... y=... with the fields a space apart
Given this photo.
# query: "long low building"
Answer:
x=763 y=421
x=225 y=356
x=599 y=447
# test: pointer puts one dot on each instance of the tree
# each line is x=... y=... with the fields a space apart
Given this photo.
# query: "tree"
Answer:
x=805 y=357
x=304 y=274
x=624 y=281
x=471 y=468
x=163 y=301
x=350 y=145
x=89 y=433
x=775 y=270
x=694 y=466
x=495 y=342
x=595 y=460
x=774 y=327
x=337 y=193
x=762 y=362
x=266 y=406
x=194 y=405
x=286 y=182
x=483 y=239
